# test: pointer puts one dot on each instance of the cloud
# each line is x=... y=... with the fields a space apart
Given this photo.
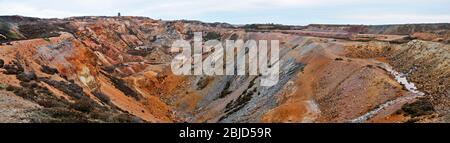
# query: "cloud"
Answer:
x=61 y=8
x=241 y=11
x=395 y=18
x=30 y=10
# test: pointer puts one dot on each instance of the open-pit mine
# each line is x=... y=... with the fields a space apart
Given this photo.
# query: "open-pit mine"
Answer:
x=118 y=69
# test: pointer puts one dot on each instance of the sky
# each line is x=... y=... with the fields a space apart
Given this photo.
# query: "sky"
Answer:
x=295 y=12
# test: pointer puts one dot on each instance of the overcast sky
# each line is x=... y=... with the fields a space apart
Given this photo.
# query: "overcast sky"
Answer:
x=298 y=12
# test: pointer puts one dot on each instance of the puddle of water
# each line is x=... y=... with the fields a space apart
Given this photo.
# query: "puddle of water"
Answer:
x=374 y=112
x=400 y=78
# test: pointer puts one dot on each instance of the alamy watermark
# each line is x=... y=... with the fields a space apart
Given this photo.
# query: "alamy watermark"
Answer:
x=232 y=57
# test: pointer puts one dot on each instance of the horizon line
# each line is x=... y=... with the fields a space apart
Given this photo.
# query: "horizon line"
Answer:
x=234 y=24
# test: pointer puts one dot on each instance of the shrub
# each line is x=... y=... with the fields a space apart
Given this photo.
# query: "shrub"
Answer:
x=100 y=115
x=122 y=118
x=26 y=76
x=49 y=103
x=120 y=84
x=48 y=70
x=71 y=89
x=212 y=36
x=22 y=92
x=225 y=90
x=12 y=69
x=65 y=115
x=418 y=108
x=338 y=59
x=202 y=83
x=84 y=105
x=102 y=97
